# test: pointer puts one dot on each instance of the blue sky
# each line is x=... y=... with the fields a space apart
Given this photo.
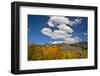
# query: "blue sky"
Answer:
x=37 y=22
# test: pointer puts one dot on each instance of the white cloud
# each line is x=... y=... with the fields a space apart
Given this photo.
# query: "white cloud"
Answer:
x=63 y=34
x=59 y=20
x=72 y=40
x=71 y=23
x=57 y=42
x=67 y=40
x=46 y=31
x=78 y=20
x=65 y=28
x=60 y=34
x=75 y=22
x=63 y=20
x=56 y=34
x=50 y=24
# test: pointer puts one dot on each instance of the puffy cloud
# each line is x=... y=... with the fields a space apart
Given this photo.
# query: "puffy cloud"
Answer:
x=56 y=34
x=67 y=40
x=72 y=40
x=65 y=28
x=51 y=24
x=60 y=34
x=46 y=31
x=59 y=20
x=63 y=33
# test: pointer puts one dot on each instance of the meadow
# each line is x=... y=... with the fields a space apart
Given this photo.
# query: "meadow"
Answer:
x=57 y=51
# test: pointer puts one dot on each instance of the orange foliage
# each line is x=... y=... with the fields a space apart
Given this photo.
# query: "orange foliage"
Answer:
x=53 y=52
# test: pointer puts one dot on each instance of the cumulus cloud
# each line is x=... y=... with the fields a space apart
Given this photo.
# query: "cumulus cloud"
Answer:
x=63 y=33
x=68 y=40
x=59 y=20
x=65 y=28
x=47 y=31
x=56 y=34
x=60 y=34
x=51 y=24
x=72 y=40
